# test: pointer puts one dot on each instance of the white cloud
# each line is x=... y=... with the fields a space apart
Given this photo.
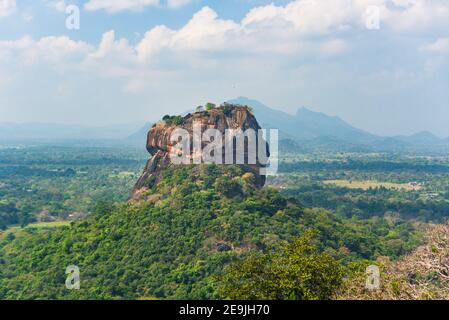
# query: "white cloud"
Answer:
x=113 y=57
x=110 y=46
x=60 y=5
x=7 y=7
x=264 y=30
x=312 y=16
x=440 y=46
x=119 y=5
x=204 y=32
x=272 y=52
x=300 y=28
x=60 y=50
x=154 y=40
x=416 y=15
x=175 y=4
x=291 y=29
x=321 y=17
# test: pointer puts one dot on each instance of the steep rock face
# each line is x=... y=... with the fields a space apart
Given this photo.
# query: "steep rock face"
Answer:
x=222 y=118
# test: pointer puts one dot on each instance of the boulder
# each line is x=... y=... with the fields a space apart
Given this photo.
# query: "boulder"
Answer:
x=226 y=117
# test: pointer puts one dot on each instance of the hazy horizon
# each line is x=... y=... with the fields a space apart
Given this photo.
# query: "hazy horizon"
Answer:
x=136 y=126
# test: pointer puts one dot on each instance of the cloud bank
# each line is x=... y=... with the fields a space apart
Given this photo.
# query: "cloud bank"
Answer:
x=290 y=54
x=7 y=7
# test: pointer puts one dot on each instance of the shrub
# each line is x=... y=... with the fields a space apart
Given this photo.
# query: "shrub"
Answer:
x=296 y=272
x=210 y=106
x=176 y=120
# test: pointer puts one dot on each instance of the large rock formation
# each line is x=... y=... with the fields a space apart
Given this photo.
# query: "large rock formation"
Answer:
x=221 y=118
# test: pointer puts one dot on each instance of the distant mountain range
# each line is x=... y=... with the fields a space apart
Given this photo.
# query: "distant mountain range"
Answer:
x=139 y=137
x=310 y=130
x=305 y=131
x=305 y=124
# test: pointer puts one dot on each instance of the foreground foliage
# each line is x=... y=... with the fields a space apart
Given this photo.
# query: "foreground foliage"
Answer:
x=297 y=271
x=174 y=244
x=422 y=274
x=177 y=242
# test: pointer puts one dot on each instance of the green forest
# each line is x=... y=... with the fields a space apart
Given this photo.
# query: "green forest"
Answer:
x=206 y=232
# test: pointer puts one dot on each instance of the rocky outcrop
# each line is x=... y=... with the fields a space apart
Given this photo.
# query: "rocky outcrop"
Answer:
x=159 y=143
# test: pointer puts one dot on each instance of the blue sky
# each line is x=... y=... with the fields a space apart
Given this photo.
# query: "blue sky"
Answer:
x=133 y=61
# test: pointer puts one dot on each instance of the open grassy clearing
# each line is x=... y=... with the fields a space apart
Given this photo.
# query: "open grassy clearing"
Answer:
x=365 y=185
x=16 y=230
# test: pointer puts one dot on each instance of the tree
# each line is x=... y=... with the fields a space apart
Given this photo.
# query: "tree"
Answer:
x=176 y=120
x=227 y=108
x=210 y=106
x=295 y=272
x=227 y=186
